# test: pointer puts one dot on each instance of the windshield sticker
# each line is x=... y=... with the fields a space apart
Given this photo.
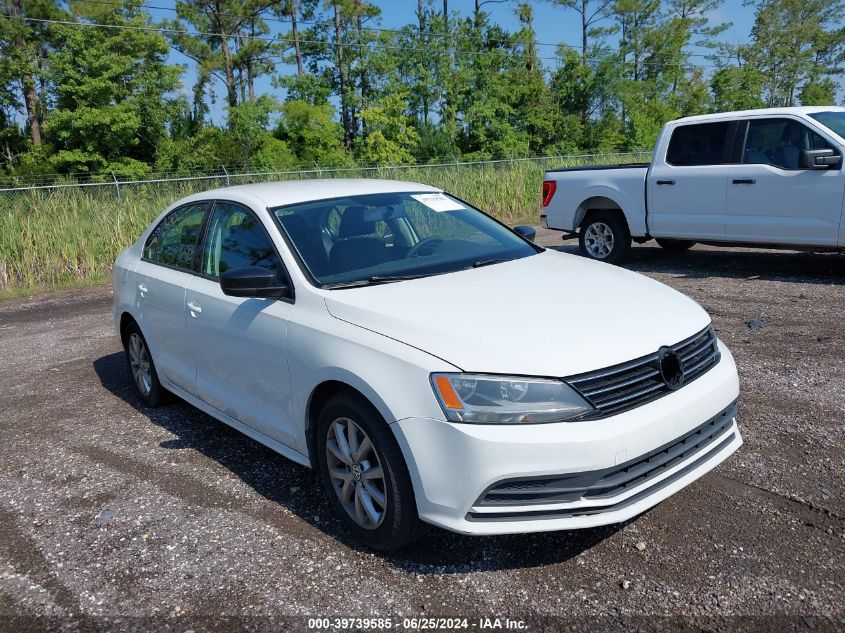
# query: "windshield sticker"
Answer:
x=438 y=202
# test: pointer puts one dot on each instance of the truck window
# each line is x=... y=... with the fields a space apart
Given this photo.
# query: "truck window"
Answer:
x=698 y=144
x=832 y=120
x=779 y=142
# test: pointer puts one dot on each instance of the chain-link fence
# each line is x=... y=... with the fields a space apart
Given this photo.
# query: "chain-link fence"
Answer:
x=170 y=184
x=60 y=230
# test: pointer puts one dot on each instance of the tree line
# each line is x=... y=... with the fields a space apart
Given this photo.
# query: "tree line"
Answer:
x=86 y=86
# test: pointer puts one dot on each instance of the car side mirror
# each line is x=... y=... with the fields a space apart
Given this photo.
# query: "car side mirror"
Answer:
x=526 y=231
x=253 y=281
x=819 y=159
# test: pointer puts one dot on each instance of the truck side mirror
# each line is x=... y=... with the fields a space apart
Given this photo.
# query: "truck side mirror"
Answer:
x=819 y=159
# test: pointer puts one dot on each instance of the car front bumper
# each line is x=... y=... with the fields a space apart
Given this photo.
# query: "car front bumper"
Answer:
x=455 y=466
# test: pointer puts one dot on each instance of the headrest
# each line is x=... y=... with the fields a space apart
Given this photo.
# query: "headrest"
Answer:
x=353 y=222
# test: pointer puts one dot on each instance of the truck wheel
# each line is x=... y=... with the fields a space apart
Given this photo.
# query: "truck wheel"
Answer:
x=604 y=236
x=675 y=246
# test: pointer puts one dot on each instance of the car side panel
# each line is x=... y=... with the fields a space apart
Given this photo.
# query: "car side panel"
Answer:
x=393 y=376
x=123 y=281
x=240 y=345
x=159 y=307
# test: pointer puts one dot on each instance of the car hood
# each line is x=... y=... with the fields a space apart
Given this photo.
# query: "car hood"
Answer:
x=550 y=314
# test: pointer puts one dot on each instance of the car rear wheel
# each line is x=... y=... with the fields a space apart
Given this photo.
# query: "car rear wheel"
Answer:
x=142 y=368
x=365 y=475
x=675 y=246
x=605 y=237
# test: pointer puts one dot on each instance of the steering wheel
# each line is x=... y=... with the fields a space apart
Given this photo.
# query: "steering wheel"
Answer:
x=429 y=243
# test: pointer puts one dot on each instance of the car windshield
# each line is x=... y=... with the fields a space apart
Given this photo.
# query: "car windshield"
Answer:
x=379 y=238
x=832 y=120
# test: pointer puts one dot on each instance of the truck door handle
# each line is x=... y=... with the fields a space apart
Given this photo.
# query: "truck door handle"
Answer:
x=142 y=289
x=194 y=308
x=665 y=182
x=744 y=181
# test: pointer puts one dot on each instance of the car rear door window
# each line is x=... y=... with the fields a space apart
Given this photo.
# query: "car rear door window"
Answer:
x=174 y=241
x=699 y=144
x=779 y=142
x=236 y=239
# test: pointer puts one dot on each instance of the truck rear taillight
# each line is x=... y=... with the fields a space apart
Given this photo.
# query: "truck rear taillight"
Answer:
x=549 y=188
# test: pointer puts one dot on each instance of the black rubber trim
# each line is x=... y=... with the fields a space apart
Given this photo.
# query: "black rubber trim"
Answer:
x=588 y=511
x=614 y=480
x=724 y=421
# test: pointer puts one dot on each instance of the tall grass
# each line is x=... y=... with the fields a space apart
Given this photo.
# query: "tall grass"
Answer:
x=60 y=237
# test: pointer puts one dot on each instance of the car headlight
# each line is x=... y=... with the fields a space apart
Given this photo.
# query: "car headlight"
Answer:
x=485 y=399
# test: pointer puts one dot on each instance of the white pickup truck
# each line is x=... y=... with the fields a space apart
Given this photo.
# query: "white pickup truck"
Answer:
x=759 y=177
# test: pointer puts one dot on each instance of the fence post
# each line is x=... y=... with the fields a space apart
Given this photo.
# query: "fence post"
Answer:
x=227 y=175
x=116 y=184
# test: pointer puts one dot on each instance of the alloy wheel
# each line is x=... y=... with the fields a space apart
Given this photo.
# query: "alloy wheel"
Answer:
x=599 y=240
x=139 y=361
x=356 y=473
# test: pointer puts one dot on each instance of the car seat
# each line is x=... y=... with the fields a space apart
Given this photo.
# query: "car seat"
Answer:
x=357 y=245
x=754 y=153
x=307 y=241
x=787 y=153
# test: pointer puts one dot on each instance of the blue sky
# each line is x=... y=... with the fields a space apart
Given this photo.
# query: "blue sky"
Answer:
x=553 y=25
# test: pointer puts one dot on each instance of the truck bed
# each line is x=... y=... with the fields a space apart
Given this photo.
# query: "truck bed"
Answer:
x=578 y=189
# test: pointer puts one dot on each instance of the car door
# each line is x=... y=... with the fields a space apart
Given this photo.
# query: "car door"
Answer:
x=772 y=199
x=240 y=343
x=686 y=188
x=161 y=278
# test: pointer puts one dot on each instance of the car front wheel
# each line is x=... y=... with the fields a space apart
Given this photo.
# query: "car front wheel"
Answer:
x=605 y=237
x=365 y=475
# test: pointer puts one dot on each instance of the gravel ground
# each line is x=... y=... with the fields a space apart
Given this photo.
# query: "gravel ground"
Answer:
x=112 y=510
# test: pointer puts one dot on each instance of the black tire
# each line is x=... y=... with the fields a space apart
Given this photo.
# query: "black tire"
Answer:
x=156 y=395
x=614 y=239
x=675 y=246
x=400 y=524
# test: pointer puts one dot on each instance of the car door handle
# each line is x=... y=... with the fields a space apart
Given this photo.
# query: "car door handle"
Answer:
x=744 y=181
x=194 y=308
x=142 y=289
x=665 y=182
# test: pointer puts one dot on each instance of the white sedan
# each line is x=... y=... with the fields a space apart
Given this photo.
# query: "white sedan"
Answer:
x=431 y=363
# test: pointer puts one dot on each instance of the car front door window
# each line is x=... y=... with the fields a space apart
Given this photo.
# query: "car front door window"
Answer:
x=236 y=239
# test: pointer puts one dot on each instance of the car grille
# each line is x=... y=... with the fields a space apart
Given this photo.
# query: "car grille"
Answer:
x=600 y=485
x=622 y=387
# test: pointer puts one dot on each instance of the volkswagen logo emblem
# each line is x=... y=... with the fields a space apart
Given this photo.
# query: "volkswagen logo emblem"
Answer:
x=671 y=369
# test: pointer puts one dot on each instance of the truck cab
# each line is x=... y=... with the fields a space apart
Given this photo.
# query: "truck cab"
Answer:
x=769 y=177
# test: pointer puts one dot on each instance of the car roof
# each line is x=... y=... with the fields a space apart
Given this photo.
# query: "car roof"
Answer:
x=280 y=193
x=760 y=112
